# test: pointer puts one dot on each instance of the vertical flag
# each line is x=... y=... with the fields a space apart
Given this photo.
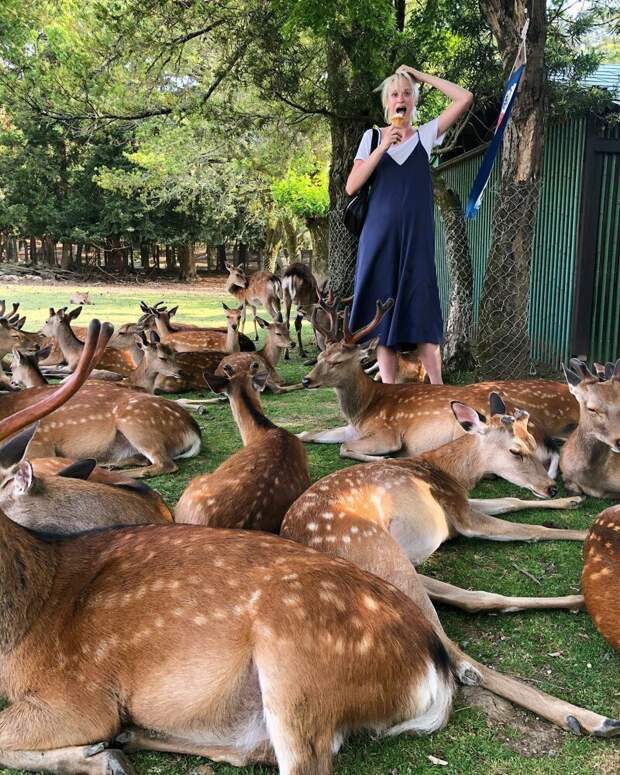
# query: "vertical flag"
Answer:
x=482 y=178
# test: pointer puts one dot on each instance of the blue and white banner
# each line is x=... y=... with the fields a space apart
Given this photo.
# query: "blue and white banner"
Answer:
x=482 y=178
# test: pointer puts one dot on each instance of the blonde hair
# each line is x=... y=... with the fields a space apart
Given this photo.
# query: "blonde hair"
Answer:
x=384 y=88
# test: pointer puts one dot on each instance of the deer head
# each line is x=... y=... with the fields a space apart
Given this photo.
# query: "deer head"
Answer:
x=233 y=315
x=157 y=358
x=506 y=446
x=277 y=333
x=340 y=360
x=599 y=400
x=236 y=275
x=58 y=319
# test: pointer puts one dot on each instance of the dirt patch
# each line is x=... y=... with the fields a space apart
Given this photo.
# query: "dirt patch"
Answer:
x=522 y=732
x=211 y=286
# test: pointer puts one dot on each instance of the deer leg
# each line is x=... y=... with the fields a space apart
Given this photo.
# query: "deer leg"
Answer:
x=255 y=326
x=505 y=505
x=478 y=525
x=298 y=322
x=371 y=447
x=135 y=739
x=331 y=436
x=473 y=601
x=81 y=760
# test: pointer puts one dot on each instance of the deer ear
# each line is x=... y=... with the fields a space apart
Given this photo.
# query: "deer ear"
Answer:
x=154 y=337
x=226 y=307
x=259 y=381
x=24 y=478
x=74 y=313
x=215 y=382
x=12 y=451
x=172 y=312
x=496 y=403
x=43 y=352
x=229 y=265
x=369 y=348
x=572 y=379
x=468 y=418
x=263 y=323
x=81 y=469
x=20 y=323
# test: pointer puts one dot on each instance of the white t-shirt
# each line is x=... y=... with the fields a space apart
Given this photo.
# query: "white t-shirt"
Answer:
x=427 y=134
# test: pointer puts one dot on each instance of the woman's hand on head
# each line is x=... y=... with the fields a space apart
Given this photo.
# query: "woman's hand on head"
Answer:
x=417 y=75
x=391 y=135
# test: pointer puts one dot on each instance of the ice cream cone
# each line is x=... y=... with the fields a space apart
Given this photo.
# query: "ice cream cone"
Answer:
x=397 y=120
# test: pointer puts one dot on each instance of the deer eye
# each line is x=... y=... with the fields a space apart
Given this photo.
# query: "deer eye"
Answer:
x=516 y=454
x=594 y=411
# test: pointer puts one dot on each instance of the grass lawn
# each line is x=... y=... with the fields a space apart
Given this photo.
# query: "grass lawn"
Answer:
x=558 y=652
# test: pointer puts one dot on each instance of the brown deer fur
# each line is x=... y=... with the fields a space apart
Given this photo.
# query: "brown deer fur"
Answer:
x=255 y=486
x=600 y=581
x=259 y=288
x=590 y=459
x=299 y=287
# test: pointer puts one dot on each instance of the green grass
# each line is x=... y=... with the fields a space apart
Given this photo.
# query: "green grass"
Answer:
x=583 y=670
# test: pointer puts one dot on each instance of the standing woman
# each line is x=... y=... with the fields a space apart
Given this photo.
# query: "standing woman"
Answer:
x=396 y=256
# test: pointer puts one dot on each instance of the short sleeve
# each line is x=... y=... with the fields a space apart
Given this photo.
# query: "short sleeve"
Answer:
x=428 y=135
x=363 y=152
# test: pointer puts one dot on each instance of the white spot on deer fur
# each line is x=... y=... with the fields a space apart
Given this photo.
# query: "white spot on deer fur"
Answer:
x=327 y=515
x=370 y=602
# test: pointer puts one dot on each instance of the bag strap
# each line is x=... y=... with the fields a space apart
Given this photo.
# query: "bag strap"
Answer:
x=374 y=142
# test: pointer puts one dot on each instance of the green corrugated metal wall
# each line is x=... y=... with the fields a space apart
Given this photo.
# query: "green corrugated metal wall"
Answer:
x=605 y=335
x=555 y=244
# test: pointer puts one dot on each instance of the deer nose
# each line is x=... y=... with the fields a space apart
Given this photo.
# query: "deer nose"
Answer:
x=617 y=443
x=552 y=491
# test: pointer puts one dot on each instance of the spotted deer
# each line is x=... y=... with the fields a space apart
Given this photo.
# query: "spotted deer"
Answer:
x=423 y=502
x=600 y=580
x=189 y=338
x=279 y=651
x=255 y=486
x=113 y=424
x=590 y=459
x=277 y=341
x=63 y=497
x=259 y=288
x=299 y=287
x=409 y=419
x=58 y=326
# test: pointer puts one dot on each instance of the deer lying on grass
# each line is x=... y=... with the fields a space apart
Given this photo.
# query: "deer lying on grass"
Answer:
x=259 y=288
x=412 y=418
x=67 y=500
x=600 y=581
x=86 y=636
x=276 y=342
x=590 y=459
x=58 y=326
x=188 y=338
x=299 y=287
x=113 y=424
x=255 y=486
x=421 y=503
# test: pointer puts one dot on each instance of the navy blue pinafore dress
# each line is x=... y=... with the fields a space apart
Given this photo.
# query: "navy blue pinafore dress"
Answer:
x=396 y=255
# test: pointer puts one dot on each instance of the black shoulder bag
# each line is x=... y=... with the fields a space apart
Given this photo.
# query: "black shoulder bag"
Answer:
x=355 y=211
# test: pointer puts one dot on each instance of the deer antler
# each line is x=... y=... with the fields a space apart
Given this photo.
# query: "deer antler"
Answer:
x=96 y=341
x=354 y=337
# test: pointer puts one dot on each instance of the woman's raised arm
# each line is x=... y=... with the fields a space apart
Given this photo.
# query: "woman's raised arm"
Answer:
x=461 y=98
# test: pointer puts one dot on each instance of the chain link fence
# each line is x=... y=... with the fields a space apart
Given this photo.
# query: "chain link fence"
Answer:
x=342 y=255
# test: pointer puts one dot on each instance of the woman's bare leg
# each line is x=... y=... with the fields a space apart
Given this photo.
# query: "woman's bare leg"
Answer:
x=430 y=355
x=386 y=359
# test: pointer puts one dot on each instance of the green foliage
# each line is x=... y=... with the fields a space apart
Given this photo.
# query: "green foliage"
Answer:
x=303 y=191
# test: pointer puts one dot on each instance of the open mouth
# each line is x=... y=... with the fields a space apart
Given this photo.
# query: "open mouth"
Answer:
x=401 y=110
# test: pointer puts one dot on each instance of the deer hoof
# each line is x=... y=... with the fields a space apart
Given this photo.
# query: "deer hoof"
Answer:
x=609 y=728
x=574 y=502
x=117 y=763
x=93 y=750
x=468 y=675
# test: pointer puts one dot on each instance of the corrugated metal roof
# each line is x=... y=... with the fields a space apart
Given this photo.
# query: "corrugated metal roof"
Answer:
x=607 y=77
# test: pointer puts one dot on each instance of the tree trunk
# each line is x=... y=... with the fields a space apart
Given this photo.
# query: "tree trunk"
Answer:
x=319 y=232
x=457 y=349
x=114 y=259
x=11 y=250
x=290 y=239
x=187 y=262
x=33 y=251
x=503 y=339
x=49 y=250
x=67 y=256
x=156 y=256
x=221 y=257
x=79 y=248
x=242 y=257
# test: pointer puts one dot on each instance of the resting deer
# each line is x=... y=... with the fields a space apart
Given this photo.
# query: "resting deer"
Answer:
x=259 y=288
x=412 y=418
x=590 y=459
x=423 y=502
x=188 y=338
x=67 y=500
x=255 y=486
x=277 y=340
x=600 y=581
x=299 y=287
x=58 y=326
x=113 y=424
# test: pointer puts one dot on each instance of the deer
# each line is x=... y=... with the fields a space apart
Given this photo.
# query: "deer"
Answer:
x=81 y=298
x=279 y=651
x=590 y=459
x=188 y=338
x=422 y=502
x=114 y=424
x=299 y=287
x=409 y=419
x=277 y=340
x=58 y=326
x=259 y=288
x=254 y=487
x=600 y=580
x=60 y=497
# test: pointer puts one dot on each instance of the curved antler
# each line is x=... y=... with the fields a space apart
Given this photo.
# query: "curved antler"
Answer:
x=361 y=333
x=96 y=340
